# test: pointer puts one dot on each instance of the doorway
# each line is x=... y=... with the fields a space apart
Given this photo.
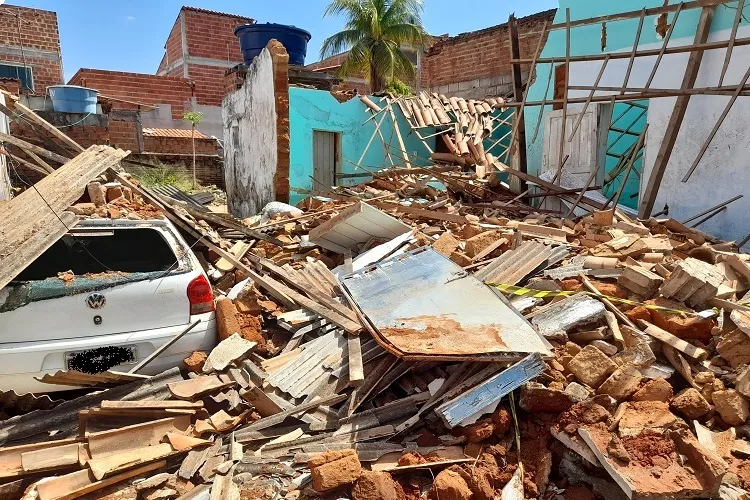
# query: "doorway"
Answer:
x=326 y=159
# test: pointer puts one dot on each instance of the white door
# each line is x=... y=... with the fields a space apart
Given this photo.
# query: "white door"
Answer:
x=585 y=151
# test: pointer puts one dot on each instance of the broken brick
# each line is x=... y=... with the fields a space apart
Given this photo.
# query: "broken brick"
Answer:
x=732 y=406
x=591 y=366
x=654 y=390
x=334 y=469
x=690 y=403
x=622 y=383
x=446 y=244
x=226 y=318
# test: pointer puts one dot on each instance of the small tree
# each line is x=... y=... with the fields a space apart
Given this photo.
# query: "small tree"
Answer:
x=194 y=118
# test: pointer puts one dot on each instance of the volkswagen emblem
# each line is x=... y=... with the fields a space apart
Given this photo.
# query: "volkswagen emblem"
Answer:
x=96 y=301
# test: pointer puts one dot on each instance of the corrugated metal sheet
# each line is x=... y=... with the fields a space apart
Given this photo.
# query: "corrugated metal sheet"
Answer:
x=78 y=379
x=12 y=404
x=174 y=193
x=426 y=306
x=62 y=420
x=513 y=266
x=173 y=133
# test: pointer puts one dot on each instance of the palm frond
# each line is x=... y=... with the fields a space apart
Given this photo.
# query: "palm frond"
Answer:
x=339 y=42
x=351 y=8
x=357 y=62
x=406 y=34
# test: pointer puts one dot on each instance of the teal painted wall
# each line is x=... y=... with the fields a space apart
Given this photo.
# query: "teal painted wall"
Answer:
x=587 y=40
x=311 y=110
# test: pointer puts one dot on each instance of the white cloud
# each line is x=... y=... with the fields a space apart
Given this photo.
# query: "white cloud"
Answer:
x=130 y=18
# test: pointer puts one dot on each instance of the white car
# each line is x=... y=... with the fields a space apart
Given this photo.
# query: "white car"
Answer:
x=134 y=285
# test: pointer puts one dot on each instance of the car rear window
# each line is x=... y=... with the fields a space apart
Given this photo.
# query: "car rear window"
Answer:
x=136 y=250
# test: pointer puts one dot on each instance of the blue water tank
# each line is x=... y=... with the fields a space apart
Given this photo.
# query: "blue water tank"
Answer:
x=255 y=37
x=73 y=99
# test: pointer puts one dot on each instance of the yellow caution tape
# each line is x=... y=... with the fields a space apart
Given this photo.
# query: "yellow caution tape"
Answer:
x=543 y=294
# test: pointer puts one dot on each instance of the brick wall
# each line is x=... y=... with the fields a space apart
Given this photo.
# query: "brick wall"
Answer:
x=209 y=83
x=477 y=64
x=136 y=87
x=40 y=39
x=173 y=47
x=210 y=42
x=179 y=145
x=125 y=135
x=280 y=59
x=211 y=34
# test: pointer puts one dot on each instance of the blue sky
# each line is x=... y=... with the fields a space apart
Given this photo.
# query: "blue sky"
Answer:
x=129 y=35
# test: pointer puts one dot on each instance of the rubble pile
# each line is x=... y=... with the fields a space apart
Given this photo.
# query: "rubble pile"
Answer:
x=395 y=340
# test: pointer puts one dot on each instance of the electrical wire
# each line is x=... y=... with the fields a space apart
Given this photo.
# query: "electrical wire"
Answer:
x=77 y=238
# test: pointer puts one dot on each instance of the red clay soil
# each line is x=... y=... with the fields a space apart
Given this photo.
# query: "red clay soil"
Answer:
x=579 y=493
x=650 y=450
x=582 y=414
x=411 y=458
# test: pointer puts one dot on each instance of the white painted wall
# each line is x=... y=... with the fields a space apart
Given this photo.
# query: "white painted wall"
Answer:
x=724 y=171
x=250 y=150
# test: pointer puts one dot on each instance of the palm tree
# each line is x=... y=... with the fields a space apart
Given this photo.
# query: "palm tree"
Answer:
x=374 y=34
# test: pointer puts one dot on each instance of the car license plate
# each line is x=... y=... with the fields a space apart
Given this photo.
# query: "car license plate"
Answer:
x=100 y=359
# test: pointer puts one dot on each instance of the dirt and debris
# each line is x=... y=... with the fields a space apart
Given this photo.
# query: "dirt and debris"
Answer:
x=633 y=332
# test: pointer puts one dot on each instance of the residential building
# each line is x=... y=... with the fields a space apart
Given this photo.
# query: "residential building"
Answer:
x=30 y=48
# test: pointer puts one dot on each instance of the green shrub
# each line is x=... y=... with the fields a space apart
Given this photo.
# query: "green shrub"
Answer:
x=397 y=87
x=165 y=175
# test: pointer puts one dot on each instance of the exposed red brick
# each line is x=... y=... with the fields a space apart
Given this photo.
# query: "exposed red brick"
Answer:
x=38 y=30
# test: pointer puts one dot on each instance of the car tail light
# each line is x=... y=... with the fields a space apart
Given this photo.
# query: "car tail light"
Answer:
x=200 y=295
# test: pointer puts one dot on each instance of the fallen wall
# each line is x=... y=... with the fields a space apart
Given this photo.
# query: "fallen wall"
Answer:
x=250 y=140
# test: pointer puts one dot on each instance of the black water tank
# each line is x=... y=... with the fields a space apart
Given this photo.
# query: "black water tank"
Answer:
x=255 y=37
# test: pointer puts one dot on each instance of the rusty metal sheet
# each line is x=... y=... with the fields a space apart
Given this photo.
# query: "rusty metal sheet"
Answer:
x=423 y=305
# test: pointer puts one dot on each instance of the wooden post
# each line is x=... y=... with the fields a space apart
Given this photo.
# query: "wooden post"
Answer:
x=664 y=45
x=398 y=135
x=732 y=36
x=675 y=120
x=588 y=101
x=564 y=124
x=518 y=95
x=635 y=49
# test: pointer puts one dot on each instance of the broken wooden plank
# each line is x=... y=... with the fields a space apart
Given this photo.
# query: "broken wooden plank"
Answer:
x=238 y=250
x=266 y=422
x=31 y=222
x=356 y=370
x=676 y=342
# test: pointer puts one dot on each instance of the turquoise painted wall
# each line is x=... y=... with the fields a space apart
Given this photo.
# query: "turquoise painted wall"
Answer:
x=311 y=110
x=587 y=40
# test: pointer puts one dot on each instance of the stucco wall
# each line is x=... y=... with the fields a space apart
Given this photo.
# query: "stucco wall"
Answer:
x=721 y=175
x=311 y=110
x=250 y=153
